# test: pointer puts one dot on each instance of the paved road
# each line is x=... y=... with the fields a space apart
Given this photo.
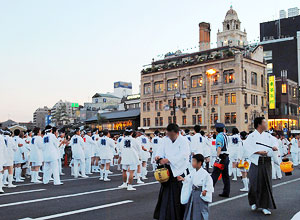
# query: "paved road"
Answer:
x=91 y=199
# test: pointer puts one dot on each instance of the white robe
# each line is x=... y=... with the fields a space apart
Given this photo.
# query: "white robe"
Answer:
x=36 y=152
x=106 y=147
x=177 y=153
x=130 y=151
x=77 y=146
x=201 y=178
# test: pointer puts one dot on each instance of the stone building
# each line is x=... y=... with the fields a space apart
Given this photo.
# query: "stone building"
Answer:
x=227 y=84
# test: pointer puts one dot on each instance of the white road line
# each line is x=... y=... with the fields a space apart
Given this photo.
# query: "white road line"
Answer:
x=79 y=211
x=73 y=179
x=21 y=192
x=69 y=195
x=246 y=194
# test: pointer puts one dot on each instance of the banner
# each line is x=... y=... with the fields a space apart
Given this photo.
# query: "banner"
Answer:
x=272 y=92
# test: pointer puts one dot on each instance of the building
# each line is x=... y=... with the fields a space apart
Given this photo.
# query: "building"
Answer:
x=281 y=42
x=130 y=102
x=122 y=89
x=282 y=14
x=65 y=112
x=293 y=12
x=40 y=116
x=227 y=84
x=101 y=101
x=116 y=121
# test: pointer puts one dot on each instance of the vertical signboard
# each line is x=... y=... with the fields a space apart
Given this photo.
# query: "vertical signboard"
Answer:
x=272 y=92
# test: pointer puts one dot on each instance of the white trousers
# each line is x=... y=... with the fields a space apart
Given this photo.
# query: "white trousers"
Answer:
x=49 y=168
x=276 y=171
x=295 y=158
x=88 y=165
x=76 y=168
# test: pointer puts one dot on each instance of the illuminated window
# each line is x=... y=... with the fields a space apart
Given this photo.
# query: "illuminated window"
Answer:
x=215 y=100
x=283 y=88
x=229 y=76
x=172 y=84
x=194 y=102
x=215 y=79
x=158 y=87
x=233 y=98
x=160 y=105
x=183 y=120
x=294 y=92
x=199 y=119
x=147 y=88
x=197 y=81
x=161 y=121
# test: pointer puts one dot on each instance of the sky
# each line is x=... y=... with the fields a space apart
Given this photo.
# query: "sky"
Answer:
x=55 y=50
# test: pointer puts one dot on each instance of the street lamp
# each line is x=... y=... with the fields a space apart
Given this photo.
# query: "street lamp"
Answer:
x=209 y=73
x=177 y=95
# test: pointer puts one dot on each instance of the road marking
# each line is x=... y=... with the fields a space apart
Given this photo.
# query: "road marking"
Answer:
x=246 y=194
x=73 y=179
x=69 y=195
x=21 y=192
x=79 y=211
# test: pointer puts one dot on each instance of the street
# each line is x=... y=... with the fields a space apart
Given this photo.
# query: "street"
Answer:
x=90 y=198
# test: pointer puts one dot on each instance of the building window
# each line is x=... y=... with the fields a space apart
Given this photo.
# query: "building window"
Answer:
x=215 y=79
x=144 y=122
x=270 y=68
x=96 y=100
x=184 y=83
x=246 y=117
x=228 y=76
x=283 y=88
x=183 y=103
x=160 y=105
x=194 y=121
x=262 y=101
x=169 y=120
x=156 y=121
x=216 y=117
x=156 y=105
x=215 y=101
x=170 y=103
x=262 y=80
x=294 y=92
x=233 y=118
x=161 y=121
x=147 y=88
x=148 y=122
x=227 y=99
x=246 y=99
x=197 y=81
x=148 y=106
x=256 y=100
x=233 y=98
x=144 y=106
x=172 y=84
x=227 y=118
x=158 y=87
x=290 y=90
x=199 y=101
x=254 y=78
x=194 y=102
x=245 y=76
x=183 y=120
x=199 y=119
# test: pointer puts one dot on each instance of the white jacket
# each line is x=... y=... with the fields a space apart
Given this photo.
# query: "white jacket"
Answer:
x=106 y=148
x=36 y=146
x=50 y=143
x=77 y=146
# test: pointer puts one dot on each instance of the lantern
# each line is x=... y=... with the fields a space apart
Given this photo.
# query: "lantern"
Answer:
x=286 y=166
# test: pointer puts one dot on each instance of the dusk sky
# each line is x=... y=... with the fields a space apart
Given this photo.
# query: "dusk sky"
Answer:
x=71 y=49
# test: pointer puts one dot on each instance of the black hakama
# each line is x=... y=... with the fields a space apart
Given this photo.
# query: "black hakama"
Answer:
x=196 y=208
x=168 y=206
x=260 y=179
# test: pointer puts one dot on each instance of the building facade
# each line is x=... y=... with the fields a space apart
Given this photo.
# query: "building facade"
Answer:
x=227 y=84
x=39 y=117
x=281 y=42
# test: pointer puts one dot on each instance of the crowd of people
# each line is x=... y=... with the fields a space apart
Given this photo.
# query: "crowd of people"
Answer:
x=190 y=156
